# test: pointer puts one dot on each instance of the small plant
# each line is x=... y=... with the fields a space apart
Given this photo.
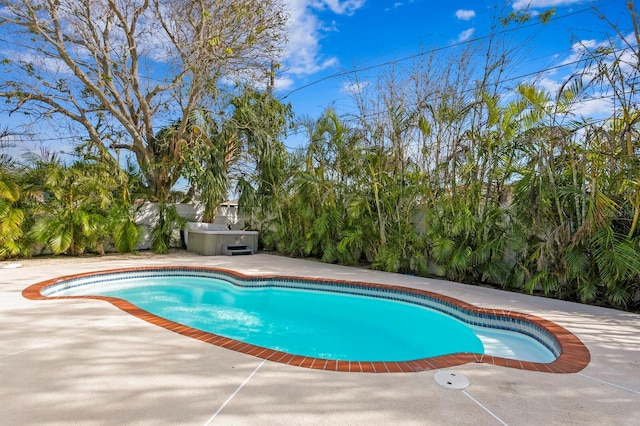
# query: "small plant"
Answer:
x=162 y=232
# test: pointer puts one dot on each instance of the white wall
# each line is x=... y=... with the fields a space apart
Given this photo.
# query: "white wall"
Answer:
x=147 y=214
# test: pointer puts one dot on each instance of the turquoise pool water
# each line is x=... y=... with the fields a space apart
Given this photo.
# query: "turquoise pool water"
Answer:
x=313 y=323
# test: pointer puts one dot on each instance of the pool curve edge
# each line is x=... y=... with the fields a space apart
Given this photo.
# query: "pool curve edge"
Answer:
x=573 y=357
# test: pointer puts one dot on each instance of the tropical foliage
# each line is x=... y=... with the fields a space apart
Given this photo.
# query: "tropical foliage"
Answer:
x=481 y=183
x=88 y=67
x=65 y=209
x=11 y=231
x=446 y=169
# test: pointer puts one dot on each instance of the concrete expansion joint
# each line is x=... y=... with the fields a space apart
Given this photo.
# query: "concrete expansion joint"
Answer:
x=228 y=400
x=604 y=382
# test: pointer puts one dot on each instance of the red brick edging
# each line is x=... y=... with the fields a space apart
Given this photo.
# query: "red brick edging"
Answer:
x=574 y=356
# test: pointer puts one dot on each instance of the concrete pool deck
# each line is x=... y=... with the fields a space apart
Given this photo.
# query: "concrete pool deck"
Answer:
x=86 y=362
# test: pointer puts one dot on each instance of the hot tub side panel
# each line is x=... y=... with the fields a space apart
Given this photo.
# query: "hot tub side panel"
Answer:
x=211 y=243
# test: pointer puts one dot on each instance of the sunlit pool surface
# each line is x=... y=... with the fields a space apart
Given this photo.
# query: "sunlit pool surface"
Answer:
x=335 y=325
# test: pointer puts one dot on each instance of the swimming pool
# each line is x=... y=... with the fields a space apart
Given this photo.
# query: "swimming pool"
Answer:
x=299 y=321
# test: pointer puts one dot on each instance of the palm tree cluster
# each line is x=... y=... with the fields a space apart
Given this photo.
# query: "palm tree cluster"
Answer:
x=442 y=173
x=446 y=169
x=49 y=206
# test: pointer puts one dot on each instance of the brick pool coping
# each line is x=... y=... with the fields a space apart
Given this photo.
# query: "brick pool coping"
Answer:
x=573 y=357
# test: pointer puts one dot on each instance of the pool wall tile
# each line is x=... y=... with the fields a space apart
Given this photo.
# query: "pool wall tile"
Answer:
x=572 y=355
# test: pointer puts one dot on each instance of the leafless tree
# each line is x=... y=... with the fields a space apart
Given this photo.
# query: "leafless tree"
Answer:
x=123 y=69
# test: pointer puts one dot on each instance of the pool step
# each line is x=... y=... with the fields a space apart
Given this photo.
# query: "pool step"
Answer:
x=236 y=249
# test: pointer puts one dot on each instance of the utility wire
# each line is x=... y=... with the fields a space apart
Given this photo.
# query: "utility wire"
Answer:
x=382 y=64
x=387 y=63
x=434 y=50
x=518 y=77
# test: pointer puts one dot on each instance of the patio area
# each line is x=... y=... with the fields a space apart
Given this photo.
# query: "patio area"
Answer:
x=87 y=362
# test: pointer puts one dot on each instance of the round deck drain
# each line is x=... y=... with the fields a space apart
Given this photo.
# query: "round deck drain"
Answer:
x=451 y=380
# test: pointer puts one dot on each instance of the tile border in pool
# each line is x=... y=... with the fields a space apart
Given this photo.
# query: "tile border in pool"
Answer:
x=572 y=355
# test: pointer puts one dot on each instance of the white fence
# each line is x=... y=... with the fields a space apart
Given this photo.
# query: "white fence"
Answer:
x=147 y=215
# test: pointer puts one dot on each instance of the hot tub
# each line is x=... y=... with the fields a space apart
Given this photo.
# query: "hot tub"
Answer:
x=210 y=239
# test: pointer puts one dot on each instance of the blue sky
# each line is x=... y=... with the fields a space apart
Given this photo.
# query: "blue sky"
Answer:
x=333 y=36
x=329 y=37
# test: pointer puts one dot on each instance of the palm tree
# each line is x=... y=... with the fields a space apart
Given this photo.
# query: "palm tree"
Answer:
x=12 y=215
x=72 y=215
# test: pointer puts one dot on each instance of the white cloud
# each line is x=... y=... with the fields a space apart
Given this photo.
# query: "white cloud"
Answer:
x=465 y=15
x=346 y=7
x=552 y=80
x=354 y=88
x=583 y=44
x=466 y=35
x=631 y=39
x=44 y=64
x=596 y=103
x=536 y=4
x=549 y=85
x=577 y=51
x=284 y=83
x=398 y=5
x=303 y=54
x=594 y=108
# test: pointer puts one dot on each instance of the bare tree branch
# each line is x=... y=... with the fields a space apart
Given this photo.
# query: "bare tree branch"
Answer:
x=129 y=67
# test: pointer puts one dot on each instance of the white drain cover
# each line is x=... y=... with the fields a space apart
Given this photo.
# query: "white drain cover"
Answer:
x=451 y=380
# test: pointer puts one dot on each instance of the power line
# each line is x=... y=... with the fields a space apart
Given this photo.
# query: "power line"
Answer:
x=518 y=77
x=455 y=45
x=378 y=65
x=19 y=139
x=434 y=50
